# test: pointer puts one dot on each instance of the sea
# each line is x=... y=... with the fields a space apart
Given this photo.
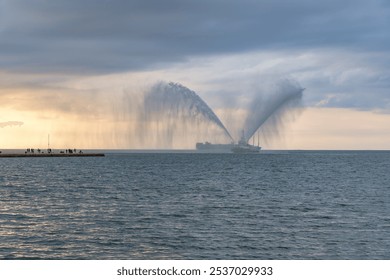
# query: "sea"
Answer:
x=289 y=205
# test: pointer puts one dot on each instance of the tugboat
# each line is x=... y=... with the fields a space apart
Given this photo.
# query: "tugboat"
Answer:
x=244 y=148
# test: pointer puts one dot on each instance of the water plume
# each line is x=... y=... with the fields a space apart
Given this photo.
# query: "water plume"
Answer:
x=173 y=103
x=268 y=105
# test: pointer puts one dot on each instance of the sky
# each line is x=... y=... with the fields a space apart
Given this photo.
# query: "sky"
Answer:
x=75 y=70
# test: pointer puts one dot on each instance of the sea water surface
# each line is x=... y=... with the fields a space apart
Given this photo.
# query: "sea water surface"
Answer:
x=272 y=205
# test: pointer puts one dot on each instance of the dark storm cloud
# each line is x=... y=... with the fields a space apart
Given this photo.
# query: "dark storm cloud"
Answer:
x=109 y=36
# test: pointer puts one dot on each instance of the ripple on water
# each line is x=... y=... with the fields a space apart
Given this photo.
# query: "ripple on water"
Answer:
x=295 y=205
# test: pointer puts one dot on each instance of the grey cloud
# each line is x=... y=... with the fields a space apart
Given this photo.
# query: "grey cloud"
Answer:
x=49 y=102
x=367 y=99
x=110 y=36
x=336 y=78
x=10 y=123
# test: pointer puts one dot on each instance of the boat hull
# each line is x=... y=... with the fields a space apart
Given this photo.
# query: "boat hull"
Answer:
x=247 y=149
x=227 y=148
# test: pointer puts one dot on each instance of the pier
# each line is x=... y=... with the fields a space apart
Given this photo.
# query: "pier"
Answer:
x=49 y=153
x=52 y=155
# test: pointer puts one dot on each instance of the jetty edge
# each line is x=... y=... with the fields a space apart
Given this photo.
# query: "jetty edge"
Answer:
x=50 y=153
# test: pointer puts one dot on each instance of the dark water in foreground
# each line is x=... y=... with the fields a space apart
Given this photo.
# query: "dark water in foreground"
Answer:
x=275 y=205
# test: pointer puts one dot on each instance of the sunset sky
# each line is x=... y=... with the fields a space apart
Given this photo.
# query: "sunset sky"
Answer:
x=74 y=69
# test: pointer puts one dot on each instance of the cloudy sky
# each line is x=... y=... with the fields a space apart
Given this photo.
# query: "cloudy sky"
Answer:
x=67 y=67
